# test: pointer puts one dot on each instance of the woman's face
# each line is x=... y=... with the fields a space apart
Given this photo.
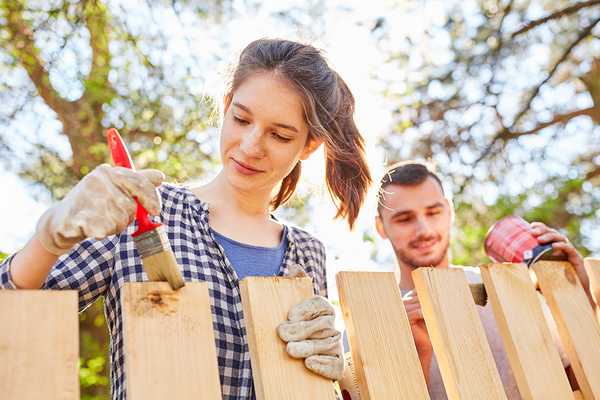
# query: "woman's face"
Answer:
x=264 y=133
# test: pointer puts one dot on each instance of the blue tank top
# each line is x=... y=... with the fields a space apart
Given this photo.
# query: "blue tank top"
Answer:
x=248 y=260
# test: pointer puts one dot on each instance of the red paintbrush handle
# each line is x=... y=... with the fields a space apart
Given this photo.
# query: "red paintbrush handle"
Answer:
x=121 y=158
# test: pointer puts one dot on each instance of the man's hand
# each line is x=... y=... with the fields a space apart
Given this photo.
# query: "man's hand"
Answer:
x=310 y=334
x=560 y=244
x=101 y=204
x=419 y=330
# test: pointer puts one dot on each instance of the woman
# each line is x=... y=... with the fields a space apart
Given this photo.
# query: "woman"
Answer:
x=282 y=103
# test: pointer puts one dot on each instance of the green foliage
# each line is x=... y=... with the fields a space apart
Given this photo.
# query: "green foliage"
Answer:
x=121 y=80
x=501 y=139
x=93 y=361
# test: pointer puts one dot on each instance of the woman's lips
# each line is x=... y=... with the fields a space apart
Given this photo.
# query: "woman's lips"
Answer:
x=245 y=169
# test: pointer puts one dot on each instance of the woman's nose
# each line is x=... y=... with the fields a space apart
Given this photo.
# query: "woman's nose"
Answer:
x=252 y=143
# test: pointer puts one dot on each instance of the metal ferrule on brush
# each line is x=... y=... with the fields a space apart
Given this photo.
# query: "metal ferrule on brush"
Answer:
x=151 y=242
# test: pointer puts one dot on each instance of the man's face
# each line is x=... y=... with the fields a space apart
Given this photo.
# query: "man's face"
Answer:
x=416 y=219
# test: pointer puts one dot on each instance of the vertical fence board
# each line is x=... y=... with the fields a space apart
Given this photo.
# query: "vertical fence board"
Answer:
x=577 y=326
x=525 y=333
x=383 y=350
x=464 y=356
x=592 y=266
x=169 y=342
x=39 y=345
x=266 y=302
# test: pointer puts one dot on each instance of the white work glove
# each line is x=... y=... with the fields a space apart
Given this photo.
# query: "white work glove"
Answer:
x=310 y=334
x=100 y=205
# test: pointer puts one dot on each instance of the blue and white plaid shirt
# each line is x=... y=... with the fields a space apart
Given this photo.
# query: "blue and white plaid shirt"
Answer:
x=100 y=267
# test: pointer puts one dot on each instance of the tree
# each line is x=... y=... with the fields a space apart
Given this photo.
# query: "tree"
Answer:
x=505 y=97
x=86 y=66
x=94 y=68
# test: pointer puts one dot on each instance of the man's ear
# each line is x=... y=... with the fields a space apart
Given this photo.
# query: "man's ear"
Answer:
x=379 y=227
x=312 y=144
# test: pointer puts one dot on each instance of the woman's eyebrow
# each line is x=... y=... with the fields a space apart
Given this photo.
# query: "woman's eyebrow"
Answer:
x=243 y=107
x=279 y=124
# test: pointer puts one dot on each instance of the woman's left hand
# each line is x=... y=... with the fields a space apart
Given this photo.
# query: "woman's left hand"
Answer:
x=310 y=333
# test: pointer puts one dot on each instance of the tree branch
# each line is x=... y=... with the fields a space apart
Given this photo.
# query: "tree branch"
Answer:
x=506 y=131
x=97 y=86
x=558 y=119
x=582 y=35
x=23 y=48
x=594 y=173
x=555 y=15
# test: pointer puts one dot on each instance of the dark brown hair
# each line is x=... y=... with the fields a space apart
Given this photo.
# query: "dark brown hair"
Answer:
x=328 y=109
x=407 y=173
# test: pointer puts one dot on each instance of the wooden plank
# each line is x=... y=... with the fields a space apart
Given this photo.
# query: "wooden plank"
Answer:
x=577 y=326
x=592 y=266
x=266 y=302
x=169 y=342
x=466 y=363
x=525 y=333
x=380 y=337
x=39 y=345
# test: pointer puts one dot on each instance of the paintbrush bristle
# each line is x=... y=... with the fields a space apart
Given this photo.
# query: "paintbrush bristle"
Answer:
x=158 y=258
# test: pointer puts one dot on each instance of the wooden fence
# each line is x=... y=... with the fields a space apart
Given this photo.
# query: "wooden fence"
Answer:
x=170 y=352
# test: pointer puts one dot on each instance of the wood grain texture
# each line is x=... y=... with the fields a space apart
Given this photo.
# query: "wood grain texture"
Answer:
x=464 y=356
x=169 y=342
x=39 y=345
x=266 y=302
x=532 y=353
x=592 y=266
x=383 y=350
x=577 y=325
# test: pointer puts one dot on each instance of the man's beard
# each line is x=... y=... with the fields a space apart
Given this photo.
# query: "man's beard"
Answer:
x=413 y=262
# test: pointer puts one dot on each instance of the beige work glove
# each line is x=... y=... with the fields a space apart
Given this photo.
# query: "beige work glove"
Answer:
x=310 y=334
x=100 y=205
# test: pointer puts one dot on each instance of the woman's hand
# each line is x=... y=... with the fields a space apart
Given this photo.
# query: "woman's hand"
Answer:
x=101 y=204
x=310 y=333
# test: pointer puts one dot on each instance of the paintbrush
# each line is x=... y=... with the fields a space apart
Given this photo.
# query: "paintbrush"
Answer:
x=150 y=238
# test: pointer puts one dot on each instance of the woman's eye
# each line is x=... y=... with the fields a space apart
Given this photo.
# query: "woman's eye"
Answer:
x=281 y=138
x=239 y=120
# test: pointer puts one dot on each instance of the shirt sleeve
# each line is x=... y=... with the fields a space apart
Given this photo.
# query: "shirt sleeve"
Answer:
x=87 y=268
x=6 y=281
x=320 y=267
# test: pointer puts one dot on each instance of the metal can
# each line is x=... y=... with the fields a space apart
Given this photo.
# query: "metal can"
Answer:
x=511 y=240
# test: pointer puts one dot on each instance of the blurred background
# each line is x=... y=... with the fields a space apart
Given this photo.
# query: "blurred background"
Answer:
x=503 y=95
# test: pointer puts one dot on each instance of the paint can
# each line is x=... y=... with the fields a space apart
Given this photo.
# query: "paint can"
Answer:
x=511 y=240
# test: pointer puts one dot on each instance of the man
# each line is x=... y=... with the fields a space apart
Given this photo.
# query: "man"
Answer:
x=416 y=217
